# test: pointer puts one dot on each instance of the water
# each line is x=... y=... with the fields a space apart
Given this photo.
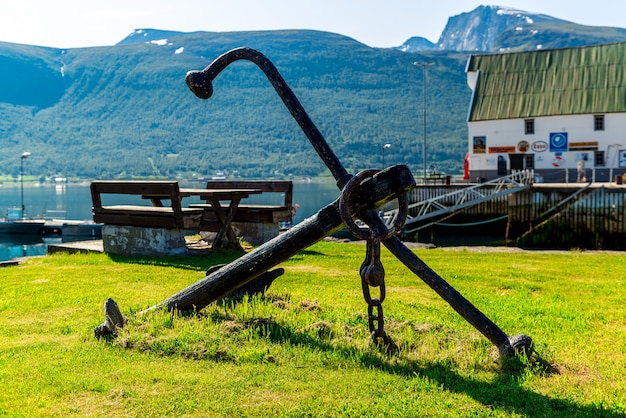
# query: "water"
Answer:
x=73 y=201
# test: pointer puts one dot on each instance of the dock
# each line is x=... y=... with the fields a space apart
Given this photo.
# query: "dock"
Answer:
x=90 y=246
x=541 y=215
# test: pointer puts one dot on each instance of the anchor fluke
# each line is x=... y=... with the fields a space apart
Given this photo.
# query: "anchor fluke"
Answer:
x=517 y=345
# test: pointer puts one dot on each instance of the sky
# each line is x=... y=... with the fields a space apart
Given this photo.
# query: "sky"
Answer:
x=376 y=23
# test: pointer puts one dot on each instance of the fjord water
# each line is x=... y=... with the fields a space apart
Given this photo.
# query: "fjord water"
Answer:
x=73 y=201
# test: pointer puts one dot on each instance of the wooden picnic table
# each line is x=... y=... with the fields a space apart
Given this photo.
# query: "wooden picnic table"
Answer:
x=214 y=199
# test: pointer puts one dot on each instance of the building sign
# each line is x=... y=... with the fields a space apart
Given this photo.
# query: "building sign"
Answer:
x=558 y=141
x=523 y=146
x=583 y=146
x=502 y=150
x=539 y=146
x=480 y=143
x=558 y=160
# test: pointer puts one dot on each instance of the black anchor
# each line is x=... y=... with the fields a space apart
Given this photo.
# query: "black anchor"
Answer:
x=361 y=197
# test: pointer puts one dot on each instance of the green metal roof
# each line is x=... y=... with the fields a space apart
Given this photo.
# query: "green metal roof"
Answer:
x=586 y=80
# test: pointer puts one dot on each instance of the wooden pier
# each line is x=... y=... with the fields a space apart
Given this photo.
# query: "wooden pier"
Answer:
x=552 y=215
x=546 y=215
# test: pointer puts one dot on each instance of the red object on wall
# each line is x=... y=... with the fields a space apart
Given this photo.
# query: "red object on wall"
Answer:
x=466 y=167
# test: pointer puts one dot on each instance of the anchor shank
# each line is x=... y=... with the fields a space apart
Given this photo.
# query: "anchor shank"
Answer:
x=464 y=307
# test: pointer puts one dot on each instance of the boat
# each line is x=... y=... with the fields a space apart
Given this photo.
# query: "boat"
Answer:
x=16 y=224
x=78 y=229
x=21 y=227
x=51 y=225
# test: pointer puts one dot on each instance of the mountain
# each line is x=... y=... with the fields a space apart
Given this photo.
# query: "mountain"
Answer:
x=482 y=28
x=147 y=36
x=125 y=110
x=496 y=28
x=548 y=35
x=416 y=44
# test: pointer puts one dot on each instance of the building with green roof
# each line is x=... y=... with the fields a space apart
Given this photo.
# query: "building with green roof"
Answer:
x=560 y=112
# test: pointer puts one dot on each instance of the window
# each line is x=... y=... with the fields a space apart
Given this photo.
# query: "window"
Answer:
x=529 y=126
x=598 y=123
x=529 y=161
x=598 y=159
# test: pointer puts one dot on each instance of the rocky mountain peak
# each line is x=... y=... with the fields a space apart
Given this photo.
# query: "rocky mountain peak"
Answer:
x=480 y=29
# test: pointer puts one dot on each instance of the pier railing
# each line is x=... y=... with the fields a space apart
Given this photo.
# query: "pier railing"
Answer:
x=459 y=199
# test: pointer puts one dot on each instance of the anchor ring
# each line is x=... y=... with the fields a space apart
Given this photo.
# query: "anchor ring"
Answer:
x=346 y=215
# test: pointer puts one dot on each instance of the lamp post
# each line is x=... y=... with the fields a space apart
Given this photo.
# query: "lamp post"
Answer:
x=25 y=154
x=424 y=65
x=608 y=150
x=384 y=148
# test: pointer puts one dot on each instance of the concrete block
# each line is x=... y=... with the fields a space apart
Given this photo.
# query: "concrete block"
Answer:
x=139 y=241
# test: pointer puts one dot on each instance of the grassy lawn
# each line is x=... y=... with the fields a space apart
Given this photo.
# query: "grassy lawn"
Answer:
x=303 y=349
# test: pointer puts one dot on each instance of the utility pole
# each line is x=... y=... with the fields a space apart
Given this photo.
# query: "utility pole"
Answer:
x=384 y=148
x=424 y=65
x=25 y=155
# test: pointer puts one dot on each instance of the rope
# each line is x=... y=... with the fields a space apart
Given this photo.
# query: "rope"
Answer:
x=463 y=225
x=476 y=223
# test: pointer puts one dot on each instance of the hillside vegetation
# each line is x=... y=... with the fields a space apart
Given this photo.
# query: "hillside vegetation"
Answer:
x=126 y=111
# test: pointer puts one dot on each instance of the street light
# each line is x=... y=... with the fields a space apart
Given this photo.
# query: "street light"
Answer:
x=608 y=150
x=384 y=148
x=25 y=154
x=424 y=65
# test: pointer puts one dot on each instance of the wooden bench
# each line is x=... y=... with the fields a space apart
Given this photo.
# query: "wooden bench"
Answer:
x=155 y=215
x=250 y=212
x=435 y=178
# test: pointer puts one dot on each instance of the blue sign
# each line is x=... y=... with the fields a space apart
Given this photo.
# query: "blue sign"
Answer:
x=558 y=141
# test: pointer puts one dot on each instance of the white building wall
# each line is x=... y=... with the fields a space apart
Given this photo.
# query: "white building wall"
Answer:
x=505 y=137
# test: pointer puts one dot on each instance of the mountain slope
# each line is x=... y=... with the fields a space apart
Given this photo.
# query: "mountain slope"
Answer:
x=30 y=76
x=126 y=111
x=547 y=35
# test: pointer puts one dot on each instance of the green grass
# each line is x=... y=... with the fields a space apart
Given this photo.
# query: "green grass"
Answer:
x=303 y=348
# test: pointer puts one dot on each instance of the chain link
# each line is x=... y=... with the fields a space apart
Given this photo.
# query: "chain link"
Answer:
x=372 y=271
x=376 y=321
x=373 y=275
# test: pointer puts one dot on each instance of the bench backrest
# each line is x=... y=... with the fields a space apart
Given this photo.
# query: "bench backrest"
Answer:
x=266 y=186
x=166 y=190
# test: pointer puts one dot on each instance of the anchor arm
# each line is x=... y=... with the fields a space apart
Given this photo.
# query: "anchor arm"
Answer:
x=201 y=84
x=381 y=189
x=507 y=345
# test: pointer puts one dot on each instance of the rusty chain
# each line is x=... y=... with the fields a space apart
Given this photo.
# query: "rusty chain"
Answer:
x=372 y=271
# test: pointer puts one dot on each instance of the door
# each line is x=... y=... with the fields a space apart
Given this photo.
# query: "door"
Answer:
x=501 y=166
x=517 y=162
